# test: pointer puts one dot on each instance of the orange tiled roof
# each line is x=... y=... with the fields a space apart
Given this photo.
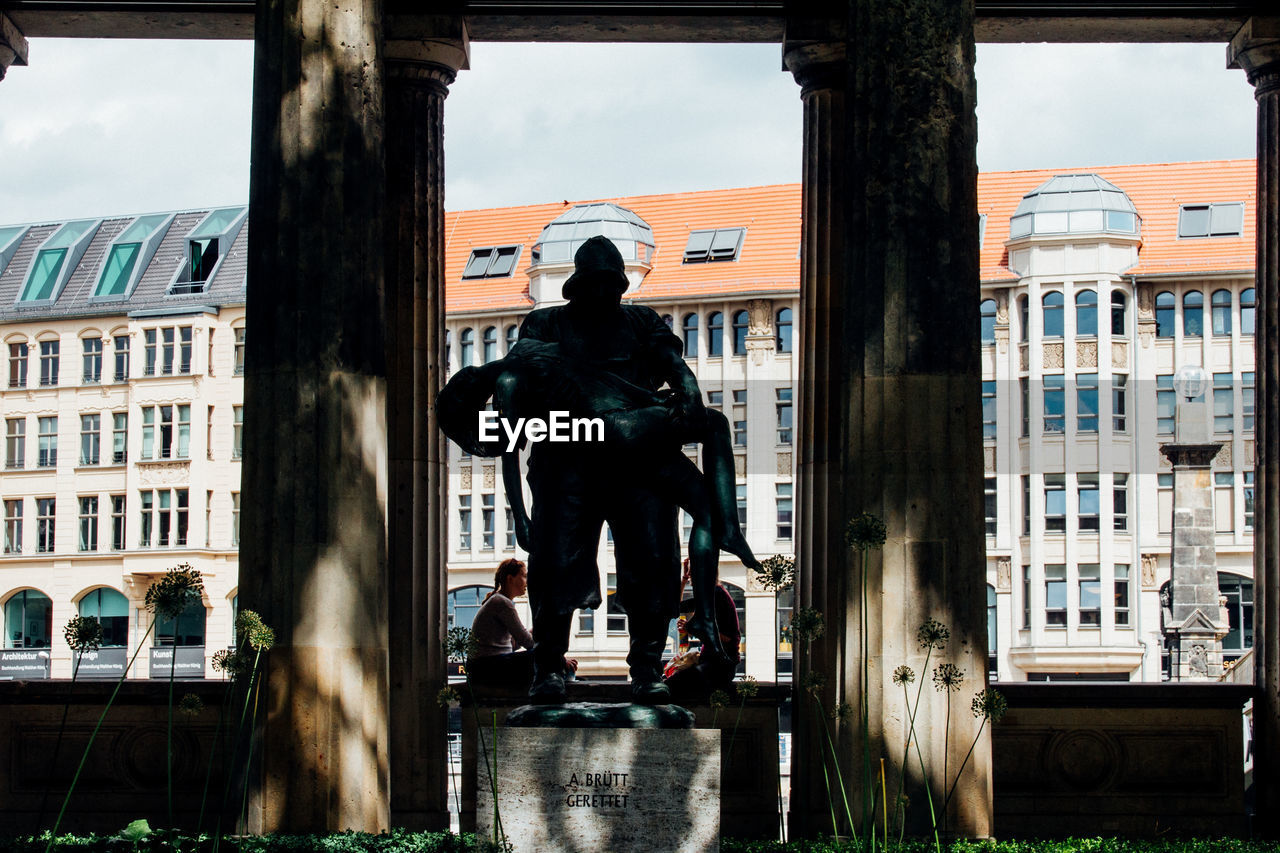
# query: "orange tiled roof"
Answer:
x=769 y=259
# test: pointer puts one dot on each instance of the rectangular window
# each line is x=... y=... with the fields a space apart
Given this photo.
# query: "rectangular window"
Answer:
x=1026 y=505
x=15 y=443
x=45 y=512
x=1246 y=401
x=486 y=522
x=989 y=504
x=1164 y=503
x=1223 y=403
x=13 y=526
x=616 y=620
x=715 y=399
x=149 y=352
x=184 y=432
x=208 y=519
x=1090 y=595
x=18 y=365
x=1211 y=220
x=1025 y=393
x=782 y=492
x=90 y=439
x=148 y=432
x=49 y=363
x=184 y=512
x=742 y=505
x=235 y=519
x=174 y=437
x=119 y=437
x=47 y=449
x=740 y=433
x=146 y=518
x=1120 y=501
x=92 y=369
x=1119 y=403
x=1055 y=503
x=740 y=396
x=172 y=515
x=208 y=433
x=1166 y=404
x=237 y=432
x=784 y=415
x=208 y=361
x=713 y=245
x=89 y=523
x=167 y=351
x=164 y=517
x=1121 y=603
x=237 y=353
x=686 y=526
x=117 y=522
x=1055 y=596
x=121 y=346
x=464 y=522
x=1087 y=402
x=1224 y=505
x=491 y=262
x=988 y=409
x=1087 y=502
x=1248 y=500
x=184 y=350
x=1055 y=404
x=510 y=529
x=1026 y=597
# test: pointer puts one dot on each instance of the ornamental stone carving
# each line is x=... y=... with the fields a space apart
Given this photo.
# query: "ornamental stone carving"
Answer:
x=1087 y=354
x=989 y=460
x=784 y=464
x=465 y=479
x=1002 y=339
x=758 y=347
x=1119 y=353
x=1002 y=306
x=740 y=464
x=1145 y=308
x=1146 y=333
x=759 y=317
x=1003 y=582
x=487 y=478
x=754 y=584
x=1223 y=458
x=1249 y=458
x=1148 y=571
x=1053 y=357
x=163 y=473
x=1022 y=357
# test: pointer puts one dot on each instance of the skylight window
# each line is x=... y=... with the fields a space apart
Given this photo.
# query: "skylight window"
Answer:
x=129 y=255
x=10 y=239
x=721 y=244
x=491 y=262
x=207 y=244
x=56 y=260
x=1211 y=220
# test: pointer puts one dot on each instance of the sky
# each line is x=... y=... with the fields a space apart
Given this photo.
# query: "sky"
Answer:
x=102 y=128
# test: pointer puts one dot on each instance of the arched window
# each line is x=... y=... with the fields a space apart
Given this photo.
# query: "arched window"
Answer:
x=513 y=334
x=1221 y=302
x=690 y=328
x=468 y=341
x=1166 y=306
x=1024 y=319
x=28 y=620
x=111 y=609
x=489 y=341
x=1247 y=305
x=715 y=334
x=1086 y=314
x=740 y=604
x=993 y=650
x=987 y=310
x=463 y=603
x=1239 y=593
x=1119 y=305
x=186 y=630
x=740 y=333
x=1193 y=314
x=1053 y=302
x=783 y=326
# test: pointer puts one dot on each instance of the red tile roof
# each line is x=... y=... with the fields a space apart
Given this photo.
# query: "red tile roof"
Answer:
x=769 y=258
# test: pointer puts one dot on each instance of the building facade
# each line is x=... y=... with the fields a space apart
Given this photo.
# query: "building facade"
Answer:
x=126 y=335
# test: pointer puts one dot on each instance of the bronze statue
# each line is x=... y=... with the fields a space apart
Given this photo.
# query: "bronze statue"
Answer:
x=596 y=358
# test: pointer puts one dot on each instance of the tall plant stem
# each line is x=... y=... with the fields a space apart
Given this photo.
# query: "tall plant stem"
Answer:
x=835 y=761
x=826 y=777
x=483 y=749
x=235 y=747
x=93 y=735
x=253 y=735
x=884 y=805
x=928 y=794
x=946 y=754
x=168 y=747
x=906 y=746
x=956 y=782
x=219 y=742
x=57 y=745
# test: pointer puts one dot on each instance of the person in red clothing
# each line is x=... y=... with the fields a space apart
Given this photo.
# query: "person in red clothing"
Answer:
x=711 y=671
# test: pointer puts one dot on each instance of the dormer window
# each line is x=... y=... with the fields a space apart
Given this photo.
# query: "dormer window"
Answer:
x=721 y=244
x=207 y=244
x=10 y=239
x=491 y=262
x=129 y=255
x=1211 y=220
x=56 y=260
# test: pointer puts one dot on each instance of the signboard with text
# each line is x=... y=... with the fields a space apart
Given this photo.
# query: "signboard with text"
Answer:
x=18 y=664
x=106 y=663
x=189 y=663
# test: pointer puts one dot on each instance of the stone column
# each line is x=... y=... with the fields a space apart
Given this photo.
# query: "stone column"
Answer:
x=13 y=45
x=313 y=554
x=419 y=72
x=889 y=410
x=1256 y=49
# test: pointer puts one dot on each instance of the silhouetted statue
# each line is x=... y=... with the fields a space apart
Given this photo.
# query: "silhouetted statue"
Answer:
x=598 y=358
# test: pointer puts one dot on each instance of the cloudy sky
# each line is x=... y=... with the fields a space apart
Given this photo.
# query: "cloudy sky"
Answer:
x=96 y=128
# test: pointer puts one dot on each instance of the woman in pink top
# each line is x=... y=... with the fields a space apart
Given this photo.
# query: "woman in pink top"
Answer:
x=497 y=632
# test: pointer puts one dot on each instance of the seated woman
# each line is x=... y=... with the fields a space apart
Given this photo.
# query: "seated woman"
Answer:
x=692 y=676
x=497 y=630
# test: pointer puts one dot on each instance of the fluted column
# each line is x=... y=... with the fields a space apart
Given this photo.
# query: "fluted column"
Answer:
x=313 y=554
x=419 y=72
x=890 y=398
x=1256 y=49
x=13 y=45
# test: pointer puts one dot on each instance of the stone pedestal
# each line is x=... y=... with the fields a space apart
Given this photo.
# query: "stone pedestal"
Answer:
x=1256 y=49
x=889 y=384
x=621 y=790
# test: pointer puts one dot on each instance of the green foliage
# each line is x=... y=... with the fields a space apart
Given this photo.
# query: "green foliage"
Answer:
x=83 y=634
x=776 y=573
x=1069 y=845
x=176 y=589
x=865 y=532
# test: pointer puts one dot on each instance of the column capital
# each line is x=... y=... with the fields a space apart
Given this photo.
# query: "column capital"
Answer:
x=1191 y=455
x=13 y=45
x=1256 y=50
x=816 y=64
x=428 y=48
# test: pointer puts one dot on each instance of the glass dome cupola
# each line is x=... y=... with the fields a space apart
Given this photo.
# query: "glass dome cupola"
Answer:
x=559 y=240
x=1074 y=204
